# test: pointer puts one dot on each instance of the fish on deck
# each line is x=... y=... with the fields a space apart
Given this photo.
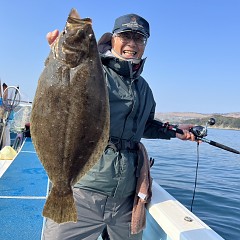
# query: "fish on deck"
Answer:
x=70 y=114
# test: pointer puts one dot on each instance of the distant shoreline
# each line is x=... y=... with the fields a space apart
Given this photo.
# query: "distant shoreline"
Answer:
x=227 y=121
x=222 y=128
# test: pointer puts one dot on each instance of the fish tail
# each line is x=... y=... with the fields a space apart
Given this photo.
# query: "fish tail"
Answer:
x=60 y=208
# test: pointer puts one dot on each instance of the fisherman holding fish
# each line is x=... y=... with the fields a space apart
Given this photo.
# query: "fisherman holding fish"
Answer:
x=104 y=196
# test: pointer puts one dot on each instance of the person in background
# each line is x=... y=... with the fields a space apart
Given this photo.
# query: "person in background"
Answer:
x=5 y=92
x=104 y=196
x=4 y=128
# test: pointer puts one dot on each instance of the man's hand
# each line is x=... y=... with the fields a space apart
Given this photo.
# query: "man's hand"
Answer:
x=51 y=36
x=186 y=134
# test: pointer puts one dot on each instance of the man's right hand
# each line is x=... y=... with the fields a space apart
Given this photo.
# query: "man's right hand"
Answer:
x=51 y=36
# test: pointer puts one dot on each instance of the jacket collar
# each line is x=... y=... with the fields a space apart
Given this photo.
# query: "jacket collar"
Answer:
x=121 y=67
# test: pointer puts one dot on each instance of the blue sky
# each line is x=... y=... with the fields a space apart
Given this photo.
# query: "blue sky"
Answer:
x=193 y=54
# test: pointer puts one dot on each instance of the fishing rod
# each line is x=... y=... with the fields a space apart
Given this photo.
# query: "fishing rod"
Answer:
x=20 y=101
x=200 y=133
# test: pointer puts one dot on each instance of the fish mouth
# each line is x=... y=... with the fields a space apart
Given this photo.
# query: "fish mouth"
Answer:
x=70 y=49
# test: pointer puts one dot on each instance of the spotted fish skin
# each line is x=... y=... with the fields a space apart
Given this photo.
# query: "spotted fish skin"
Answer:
x=70 y=114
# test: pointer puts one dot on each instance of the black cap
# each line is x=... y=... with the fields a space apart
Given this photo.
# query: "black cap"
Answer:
x=131 y=22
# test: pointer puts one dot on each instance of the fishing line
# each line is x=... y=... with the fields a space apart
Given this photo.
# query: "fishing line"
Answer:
x=196 y=176
x=200 y=132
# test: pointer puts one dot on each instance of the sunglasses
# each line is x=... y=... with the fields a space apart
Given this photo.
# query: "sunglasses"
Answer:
x=126 y=37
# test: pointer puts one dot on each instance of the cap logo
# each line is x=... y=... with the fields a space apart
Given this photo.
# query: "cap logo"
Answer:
x=132 y=24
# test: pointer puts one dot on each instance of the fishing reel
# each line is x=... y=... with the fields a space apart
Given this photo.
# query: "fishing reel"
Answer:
x=200 y=131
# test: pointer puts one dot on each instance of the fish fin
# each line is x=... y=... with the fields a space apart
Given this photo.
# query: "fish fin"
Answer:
x=73 y=13
x=60 y=208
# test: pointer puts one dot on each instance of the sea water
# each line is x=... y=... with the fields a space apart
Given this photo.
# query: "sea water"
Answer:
x=217 y=196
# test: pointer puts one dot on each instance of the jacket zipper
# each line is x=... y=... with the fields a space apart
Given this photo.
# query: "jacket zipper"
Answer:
x=132 y=94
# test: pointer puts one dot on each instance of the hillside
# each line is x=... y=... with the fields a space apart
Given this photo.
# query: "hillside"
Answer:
x=226 y=120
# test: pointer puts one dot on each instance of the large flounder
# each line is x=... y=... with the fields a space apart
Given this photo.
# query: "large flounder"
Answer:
x=70 y=114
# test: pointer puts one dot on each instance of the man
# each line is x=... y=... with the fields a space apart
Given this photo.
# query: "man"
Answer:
x=104 y=196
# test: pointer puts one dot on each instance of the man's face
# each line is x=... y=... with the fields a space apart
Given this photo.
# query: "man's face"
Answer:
x=129 y=45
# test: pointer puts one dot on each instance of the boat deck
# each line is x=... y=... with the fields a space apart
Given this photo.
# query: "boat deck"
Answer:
x=23 y=189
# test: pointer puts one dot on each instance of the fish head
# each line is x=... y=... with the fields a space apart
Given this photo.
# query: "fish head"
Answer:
x=73 y=43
